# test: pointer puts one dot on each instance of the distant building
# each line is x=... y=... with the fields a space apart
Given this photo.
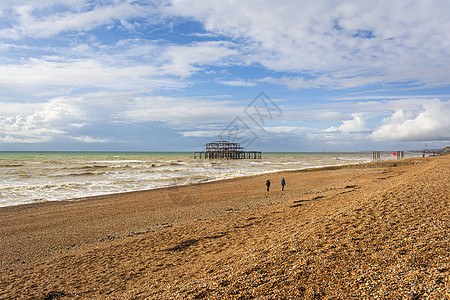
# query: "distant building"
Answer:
x=226 y=150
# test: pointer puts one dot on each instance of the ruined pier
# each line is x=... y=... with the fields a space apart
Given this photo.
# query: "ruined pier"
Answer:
x=226 y=150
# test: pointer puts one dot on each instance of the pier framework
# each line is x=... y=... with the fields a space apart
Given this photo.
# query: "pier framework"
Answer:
x=432 y=152
x=226 y=150
x=376 y=155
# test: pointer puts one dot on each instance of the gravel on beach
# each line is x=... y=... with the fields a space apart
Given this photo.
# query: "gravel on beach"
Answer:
x=370 y=231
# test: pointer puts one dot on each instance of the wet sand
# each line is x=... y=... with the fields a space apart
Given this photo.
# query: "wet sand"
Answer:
x=377 y=230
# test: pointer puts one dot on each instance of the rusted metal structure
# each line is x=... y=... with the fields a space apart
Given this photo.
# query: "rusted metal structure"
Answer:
x=226 y=150
x=376 y=155
x=432 y=152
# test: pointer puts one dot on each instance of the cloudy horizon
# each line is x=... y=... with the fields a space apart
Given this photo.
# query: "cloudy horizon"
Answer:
x=130 y=75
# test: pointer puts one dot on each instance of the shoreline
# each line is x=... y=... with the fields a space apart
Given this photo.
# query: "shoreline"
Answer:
x=185 y=241
x=114 y=203
x=371 y=164
x=30 y=182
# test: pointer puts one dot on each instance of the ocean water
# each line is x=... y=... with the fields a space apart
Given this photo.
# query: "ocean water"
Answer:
x=30 y=177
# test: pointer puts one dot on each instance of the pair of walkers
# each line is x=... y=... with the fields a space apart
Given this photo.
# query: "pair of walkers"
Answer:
x=283 y=183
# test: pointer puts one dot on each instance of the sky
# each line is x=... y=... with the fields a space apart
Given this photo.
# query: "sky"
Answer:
x=286 y=76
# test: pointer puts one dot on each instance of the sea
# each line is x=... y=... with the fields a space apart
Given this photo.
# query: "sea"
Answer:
x=32 y=177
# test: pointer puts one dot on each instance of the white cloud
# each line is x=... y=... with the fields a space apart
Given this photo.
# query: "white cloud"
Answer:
x=410 y=120
x=88 y=139
x=332 y=80
x=184 y=60
x=80 y=73
x=322 y=44
x=244 y=83
x=160 y=66
x=429 y=123
x=334 y=44
x=49 y=120
x=74 y=117
x=388 y=121
x=313 y=114
x=54 y=51
x=180 y=110
x=357 y=124
x=77 y=125
x=21 y=129
x=11 y=109
x=284 y=129
x=201 y=133
x=78 y=18
x=74 y=73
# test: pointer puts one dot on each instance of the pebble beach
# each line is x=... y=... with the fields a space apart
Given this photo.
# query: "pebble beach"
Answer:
x=376 y=230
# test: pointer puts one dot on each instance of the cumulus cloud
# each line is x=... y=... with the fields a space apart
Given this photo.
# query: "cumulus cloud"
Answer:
x=357 y=124
x=49 y=120
x=387 y=121
x=75 y=65
x=430 y=122
x=74 y=117
x=21 y=129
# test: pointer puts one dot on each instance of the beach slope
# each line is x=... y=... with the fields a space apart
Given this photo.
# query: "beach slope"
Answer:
x=377 y=230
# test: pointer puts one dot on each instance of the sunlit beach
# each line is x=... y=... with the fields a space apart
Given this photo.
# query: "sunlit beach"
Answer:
x=187 y=149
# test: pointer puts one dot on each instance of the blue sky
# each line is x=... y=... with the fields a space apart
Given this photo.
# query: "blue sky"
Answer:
x=174 y=75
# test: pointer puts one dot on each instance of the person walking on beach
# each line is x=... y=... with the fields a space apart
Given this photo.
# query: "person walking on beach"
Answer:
x=268 y=184
x=283 y=183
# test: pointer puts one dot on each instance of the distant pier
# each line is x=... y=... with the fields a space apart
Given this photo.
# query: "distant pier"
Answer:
x=226 y=150
x=433 y=152
x=376 y=155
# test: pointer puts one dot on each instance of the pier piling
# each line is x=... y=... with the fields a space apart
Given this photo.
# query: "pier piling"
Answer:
x=226 y=150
